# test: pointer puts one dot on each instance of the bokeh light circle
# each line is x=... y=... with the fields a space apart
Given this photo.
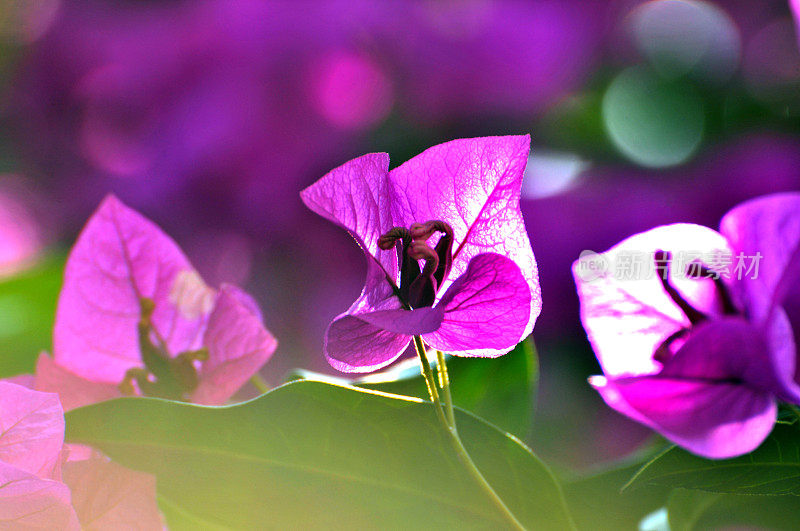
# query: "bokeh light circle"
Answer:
x=26 y=21
x=550 y=173
x=20 y=233
x=679 y=37
x=652 y=121
x=352 y=91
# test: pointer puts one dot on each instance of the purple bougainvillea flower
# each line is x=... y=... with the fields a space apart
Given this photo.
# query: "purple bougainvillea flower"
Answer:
x=693 y=327
x=134 y=316
x=474 y=292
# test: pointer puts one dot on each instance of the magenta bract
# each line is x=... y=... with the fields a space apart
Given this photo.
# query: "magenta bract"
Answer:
x=448 y=257
x=693 y=328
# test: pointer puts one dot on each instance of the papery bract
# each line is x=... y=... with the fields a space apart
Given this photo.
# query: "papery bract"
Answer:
x=31 y=441
x=133 y=309
x=31 y=430
x=476 y=293
x=119 y=259
x=773 y=230
x=106 y=495
x=30 y=502
x=701 y=354
x=236 y=343
x=95 y=492
x=73 y=391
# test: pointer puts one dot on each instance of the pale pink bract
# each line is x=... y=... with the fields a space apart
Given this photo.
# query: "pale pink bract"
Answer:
x=122 y=267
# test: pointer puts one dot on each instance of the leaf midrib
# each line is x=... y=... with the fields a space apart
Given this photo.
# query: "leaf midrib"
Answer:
x=295 y=466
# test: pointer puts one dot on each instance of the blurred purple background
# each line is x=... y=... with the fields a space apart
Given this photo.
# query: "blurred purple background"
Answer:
x=209 y=117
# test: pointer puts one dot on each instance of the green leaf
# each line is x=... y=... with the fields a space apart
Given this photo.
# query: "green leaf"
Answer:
x=501 y=390
x=312 y=454
x=178 y=518
x=788 y=413
x=693 y=509
x=773 y=468
x=596 y=502
x=27 y=312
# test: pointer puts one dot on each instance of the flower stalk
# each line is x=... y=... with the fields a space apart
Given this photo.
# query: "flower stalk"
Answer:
x=259 y=383
x=450 y=427
x=444 y=383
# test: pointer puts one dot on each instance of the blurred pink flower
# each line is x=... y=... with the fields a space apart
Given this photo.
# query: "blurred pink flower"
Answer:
x=34 y=493
x=462 y=60
x=253 y=97
x=134 y=316
x=21 y=237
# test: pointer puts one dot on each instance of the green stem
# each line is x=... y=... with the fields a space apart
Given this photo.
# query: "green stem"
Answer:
x=461 y=452
x=463 y=455
x=427 y=373
x=444 y=383
x=259 y=383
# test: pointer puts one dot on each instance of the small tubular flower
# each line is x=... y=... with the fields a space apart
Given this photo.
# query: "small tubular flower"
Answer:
x=448 y=258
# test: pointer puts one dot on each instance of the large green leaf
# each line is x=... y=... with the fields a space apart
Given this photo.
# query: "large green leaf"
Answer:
x=691 y=510
x=313 y=454
x=773 y=468
x=27 y=310
x=501 y=390
x=596 y=502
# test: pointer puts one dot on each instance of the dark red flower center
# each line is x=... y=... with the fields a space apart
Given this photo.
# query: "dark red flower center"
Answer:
x=662 y=260
x=162 y=376
x=422 y=267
